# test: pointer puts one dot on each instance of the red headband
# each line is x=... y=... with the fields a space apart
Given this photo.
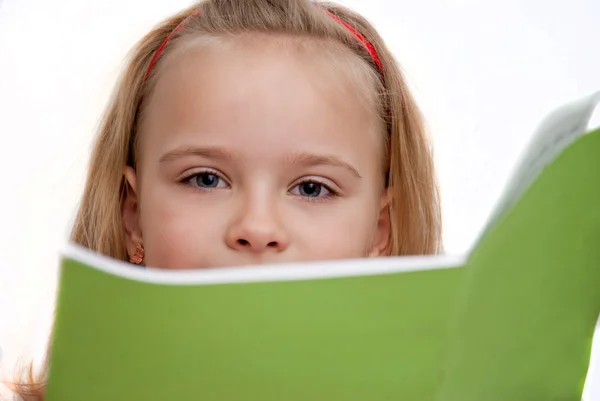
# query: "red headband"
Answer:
x=351 y=29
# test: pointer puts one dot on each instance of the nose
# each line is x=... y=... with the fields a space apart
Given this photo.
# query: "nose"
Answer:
x=257 y=229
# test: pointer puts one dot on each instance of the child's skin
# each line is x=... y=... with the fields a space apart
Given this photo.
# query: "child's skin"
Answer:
x=266 y=131
x=258 y=150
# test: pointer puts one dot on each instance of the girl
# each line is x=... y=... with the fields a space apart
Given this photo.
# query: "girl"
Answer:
x=258 y=131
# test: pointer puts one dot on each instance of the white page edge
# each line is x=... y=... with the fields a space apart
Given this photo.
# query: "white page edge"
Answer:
x=262 y=273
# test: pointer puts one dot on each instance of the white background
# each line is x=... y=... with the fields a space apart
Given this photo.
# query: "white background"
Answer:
x=485 y=73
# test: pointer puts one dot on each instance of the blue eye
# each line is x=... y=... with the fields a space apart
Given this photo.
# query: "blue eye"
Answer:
x=311 y=189
x=207 y=181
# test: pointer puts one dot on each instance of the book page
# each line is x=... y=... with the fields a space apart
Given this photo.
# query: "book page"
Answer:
x=276 y=272
x=308 y=331
x=529 y=300
x=591 y=390
x=557 y=131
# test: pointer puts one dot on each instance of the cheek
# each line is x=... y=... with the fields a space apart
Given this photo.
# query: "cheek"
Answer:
x=177 y=231
x=342 y=231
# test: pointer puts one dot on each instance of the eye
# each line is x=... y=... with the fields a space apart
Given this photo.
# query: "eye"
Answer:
x=312 y=189
x=206 y=180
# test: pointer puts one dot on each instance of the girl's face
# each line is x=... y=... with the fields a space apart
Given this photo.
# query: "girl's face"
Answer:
x=260 y=151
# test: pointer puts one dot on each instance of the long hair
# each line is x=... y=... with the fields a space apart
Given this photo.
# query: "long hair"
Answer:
x=414 y=209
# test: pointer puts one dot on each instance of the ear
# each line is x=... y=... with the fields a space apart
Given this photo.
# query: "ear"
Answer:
x=382 y=233
x=130 y=212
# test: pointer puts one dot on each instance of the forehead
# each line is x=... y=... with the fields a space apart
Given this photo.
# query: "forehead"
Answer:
x=283 y=91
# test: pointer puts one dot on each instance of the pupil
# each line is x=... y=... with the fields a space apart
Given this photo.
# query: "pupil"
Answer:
x=207 y=180
x=310 y=189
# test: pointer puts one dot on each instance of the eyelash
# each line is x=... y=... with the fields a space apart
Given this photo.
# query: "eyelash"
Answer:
x=184 y=180
x=332 y=193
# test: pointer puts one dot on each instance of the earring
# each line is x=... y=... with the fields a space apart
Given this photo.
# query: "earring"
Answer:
x=139 y=254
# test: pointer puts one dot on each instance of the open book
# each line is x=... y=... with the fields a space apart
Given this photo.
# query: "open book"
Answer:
x=511 y=321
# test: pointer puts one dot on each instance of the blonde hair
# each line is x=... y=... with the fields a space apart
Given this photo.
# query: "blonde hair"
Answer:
x=414 y=210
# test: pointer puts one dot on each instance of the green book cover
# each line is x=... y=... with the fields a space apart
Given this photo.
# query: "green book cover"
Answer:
x=512 y=320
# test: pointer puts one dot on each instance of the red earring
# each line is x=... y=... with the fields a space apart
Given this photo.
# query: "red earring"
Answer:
x=139 y=254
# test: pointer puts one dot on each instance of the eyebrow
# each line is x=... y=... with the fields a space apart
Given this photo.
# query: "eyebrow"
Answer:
x=312 y=160
x=299 y=158
x=186 y=151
